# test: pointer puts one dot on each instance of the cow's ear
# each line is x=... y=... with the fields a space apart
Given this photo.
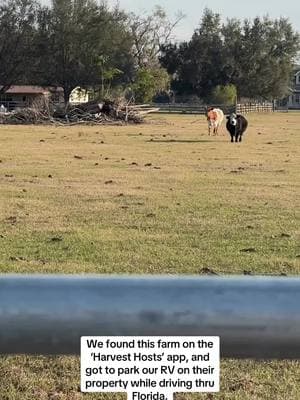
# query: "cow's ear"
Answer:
x=227 y=116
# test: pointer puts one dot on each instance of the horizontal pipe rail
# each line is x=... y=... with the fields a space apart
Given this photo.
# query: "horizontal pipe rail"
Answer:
x=255 y=317
x=11 y=105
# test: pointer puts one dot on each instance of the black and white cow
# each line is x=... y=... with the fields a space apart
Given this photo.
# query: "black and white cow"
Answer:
x=236 y=126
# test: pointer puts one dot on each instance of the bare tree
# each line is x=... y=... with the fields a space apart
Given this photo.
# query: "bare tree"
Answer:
x=150 y=33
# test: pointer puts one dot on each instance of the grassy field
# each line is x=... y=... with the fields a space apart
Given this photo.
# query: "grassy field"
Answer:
x=157 y=198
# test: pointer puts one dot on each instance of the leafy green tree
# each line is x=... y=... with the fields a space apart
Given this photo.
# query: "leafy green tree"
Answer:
x=149 y=82
x=199 y=62
x=256 y=56
x=204 y=55
x=108 y=75
x=17 y=28
x=78 y=34
x=174 y=58
x=232 y=52
x=266 y=59
x=224 y=94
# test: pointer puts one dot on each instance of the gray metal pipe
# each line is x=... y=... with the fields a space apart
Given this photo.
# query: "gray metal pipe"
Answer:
x=254 y=316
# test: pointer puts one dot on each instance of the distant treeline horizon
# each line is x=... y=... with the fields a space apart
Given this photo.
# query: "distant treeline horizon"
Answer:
x=86 y=43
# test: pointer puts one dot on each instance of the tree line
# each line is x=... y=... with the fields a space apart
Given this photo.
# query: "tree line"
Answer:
x=253 y=59
x=86 y=43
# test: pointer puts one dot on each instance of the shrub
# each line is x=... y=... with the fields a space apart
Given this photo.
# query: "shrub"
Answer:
x=224 y=94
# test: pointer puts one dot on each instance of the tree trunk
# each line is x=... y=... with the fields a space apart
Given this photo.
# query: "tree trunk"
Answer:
x=4 y=88
x=67 y=92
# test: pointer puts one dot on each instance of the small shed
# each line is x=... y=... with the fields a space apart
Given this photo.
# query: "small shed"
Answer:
x=25 y=95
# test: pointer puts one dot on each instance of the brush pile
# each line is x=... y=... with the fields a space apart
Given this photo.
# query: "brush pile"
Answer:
x=93 y=112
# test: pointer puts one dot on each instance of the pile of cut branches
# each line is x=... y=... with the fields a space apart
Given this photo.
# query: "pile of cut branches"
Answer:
x=24 y=116
x=93 y=112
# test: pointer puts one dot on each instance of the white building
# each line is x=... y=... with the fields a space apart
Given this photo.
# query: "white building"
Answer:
x=79 y=95
x=293 y=101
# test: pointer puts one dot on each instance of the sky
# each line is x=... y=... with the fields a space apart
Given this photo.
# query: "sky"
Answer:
x=193 y=10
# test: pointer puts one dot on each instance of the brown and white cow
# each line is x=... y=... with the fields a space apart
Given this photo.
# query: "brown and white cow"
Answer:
x=215 y=118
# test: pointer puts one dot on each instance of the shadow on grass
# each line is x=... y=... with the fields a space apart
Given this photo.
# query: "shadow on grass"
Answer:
x=186 y=141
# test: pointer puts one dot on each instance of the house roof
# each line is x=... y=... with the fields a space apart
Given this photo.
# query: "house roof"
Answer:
x=27 y=89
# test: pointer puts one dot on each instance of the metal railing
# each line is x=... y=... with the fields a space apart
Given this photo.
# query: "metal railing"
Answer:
x=244 y=108
x=12 y=105
x=254 y=316
x=186 y=108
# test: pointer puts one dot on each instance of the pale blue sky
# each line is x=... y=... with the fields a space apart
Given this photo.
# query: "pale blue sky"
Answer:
x=241 y=9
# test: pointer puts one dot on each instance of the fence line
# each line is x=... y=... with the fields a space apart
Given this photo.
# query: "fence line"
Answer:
x=188 y=108
x=244 y=108
x=241 y=108
x=181 y=108
x=12 y=105
x=254 y=316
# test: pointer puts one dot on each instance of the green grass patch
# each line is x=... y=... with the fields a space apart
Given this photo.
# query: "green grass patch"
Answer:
x=158 y=198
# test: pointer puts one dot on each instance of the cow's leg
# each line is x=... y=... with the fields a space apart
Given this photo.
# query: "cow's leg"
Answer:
x=236 y=138
x=209 y=129
x=232 y=138
x=240 y=138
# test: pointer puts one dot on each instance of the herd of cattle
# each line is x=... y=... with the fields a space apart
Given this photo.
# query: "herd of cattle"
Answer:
x=236 y=124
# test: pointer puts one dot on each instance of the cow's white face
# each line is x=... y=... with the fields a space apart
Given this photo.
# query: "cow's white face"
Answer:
x=233 y=119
